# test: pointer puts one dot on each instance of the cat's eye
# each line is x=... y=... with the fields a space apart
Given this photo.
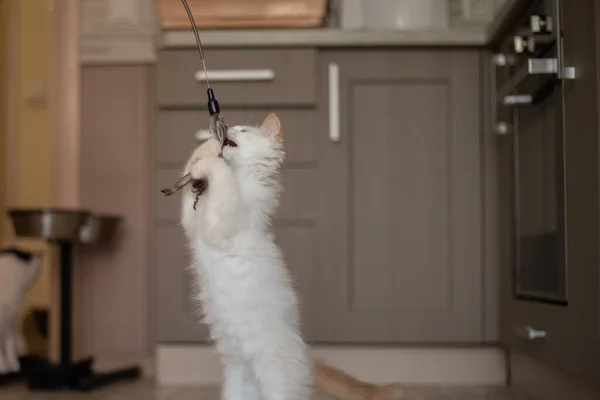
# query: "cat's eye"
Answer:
x=243 y=130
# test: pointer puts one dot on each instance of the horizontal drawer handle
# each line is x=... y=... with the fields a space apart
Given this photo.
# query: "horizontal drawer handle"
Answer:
x=517 y=99
x=236 y=75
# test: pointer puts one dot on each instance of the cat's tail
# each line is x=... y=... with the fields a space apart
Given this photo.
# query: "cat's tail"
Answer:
x=343 y=386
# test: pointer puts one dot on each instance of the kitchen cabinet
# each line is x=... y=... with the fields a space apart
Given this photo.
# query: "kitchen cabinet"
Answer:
x=381 y=219
x=404 y=262
x=279 y=80
x=549 y=205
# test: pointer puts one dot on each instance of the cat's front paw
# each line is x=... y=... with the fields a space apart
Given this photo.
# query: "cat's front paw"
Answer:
x=201 y=168
x=210 y=148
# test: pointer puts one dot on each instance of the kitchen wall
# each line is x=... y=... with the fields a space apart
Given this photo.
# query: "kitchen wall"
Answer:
x=113 y=283
x=28 y=156
x=4 y=102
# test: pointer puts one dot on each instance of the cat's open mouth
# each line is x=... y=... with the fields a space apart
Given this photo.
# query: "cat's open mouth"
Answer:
x=229 y=142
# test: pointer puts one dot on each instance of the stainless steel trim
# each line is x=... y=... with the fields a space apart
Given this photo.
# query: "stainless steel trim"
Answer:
x=569 y=73
x=517 y=99
x=518 y=44
x=559 y=38
x=499 y=60
x=502 y=128
x=538 y=66
x=49 y=224
x=561 y=68
x=537 y=22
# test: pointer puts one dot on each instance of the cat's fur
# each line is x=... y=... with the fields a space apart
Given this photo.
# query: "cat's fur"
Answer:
x=245 y=288
x=18 y=270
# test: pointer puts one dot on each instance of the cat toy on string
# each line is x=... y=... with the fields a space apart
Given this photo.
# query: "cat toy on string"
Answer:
x=217 y=126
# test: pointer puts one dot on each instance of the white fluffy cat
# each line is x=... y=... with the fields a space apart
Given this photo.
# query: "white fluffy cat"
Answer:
x=245 y=288
x=18 y=270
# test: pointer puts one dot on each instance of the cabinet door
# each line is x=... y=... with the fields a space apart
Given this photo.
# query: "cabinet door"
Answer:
x=403 y=211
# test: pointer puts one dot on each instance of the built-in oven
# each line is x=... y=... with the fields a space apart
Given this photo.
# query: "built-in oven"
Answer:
x=528 y=75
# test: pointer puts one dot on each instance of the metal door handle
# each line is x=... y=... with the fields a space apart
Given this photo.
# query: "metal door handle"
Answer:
x=502 y=128
x=517 y=99
x=334 y=102
x=540 y=24
x=531 y=333
x=538 y=66
x=236 y=75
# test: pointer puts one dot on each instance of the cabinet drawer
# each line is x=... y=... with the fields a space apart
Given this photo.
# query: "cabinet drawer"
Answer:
x=240 y=77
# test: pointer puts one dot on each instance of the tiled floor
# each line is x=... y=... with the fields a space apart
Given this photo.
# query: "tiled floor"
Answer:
x=148 y=391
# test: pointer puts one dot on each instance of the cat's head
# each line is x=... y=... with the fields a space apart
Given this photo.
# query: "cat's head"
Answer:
x=260 y=146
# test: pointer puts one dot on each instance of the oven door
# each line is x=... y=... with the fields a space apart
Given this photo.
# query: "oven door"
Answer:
x=529 y=94
x=541 y=311
x=540 y=240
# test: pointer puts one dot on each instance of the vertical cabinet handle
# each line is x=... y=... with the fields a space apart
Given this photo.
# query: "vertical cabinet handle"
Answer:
x=334 y=102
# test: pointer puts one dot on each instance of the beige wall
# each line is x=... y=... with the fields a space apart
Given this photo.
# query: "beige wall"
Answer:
x=28 y=159
x=4 y=96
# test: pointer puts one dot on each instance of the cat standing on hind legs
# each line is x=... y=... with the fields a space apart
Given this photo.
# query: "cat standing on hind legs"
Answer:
x=245 y=289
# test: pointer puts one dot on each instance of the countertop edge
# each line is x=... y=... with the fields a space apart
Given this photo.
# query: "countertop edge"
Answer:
x=324 y=37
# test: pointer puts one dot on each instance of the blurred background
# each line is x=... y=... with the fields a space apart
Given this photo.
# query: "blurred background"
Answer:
x=441 y=192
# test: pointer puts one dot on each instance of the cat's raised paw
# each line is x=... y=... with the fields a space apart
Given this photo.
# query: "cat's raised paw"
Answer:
x=210 y=148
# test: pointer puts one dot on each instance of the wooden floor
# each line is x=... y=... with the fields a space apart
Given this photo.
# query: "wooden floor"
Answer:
x=148 y=391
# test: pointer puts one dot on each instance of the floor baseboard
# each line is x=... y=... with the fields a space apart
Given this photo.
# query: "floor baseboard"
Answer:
x=199 y=365
x=541 y=382
x=147 y=364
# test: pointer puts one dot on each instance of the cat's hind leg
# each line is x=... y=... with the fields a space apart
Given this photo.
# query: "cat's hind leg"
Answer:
x=239 y=383
x=284 y=375
x=11 y=351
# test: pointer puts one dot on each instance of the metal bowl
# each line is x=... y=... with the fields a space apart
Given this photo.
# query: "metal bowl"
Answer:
x=99 y=228
x=47 y=223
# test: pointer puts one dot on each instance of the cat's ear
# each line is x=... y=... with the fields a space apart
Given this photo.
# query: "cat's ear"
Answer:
x=271 y=127
x=203 y=134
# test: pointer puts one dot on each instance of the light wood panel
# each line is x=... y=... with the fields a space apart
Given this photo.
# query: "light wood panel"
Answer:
x=5 y=52
x=65 y=108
